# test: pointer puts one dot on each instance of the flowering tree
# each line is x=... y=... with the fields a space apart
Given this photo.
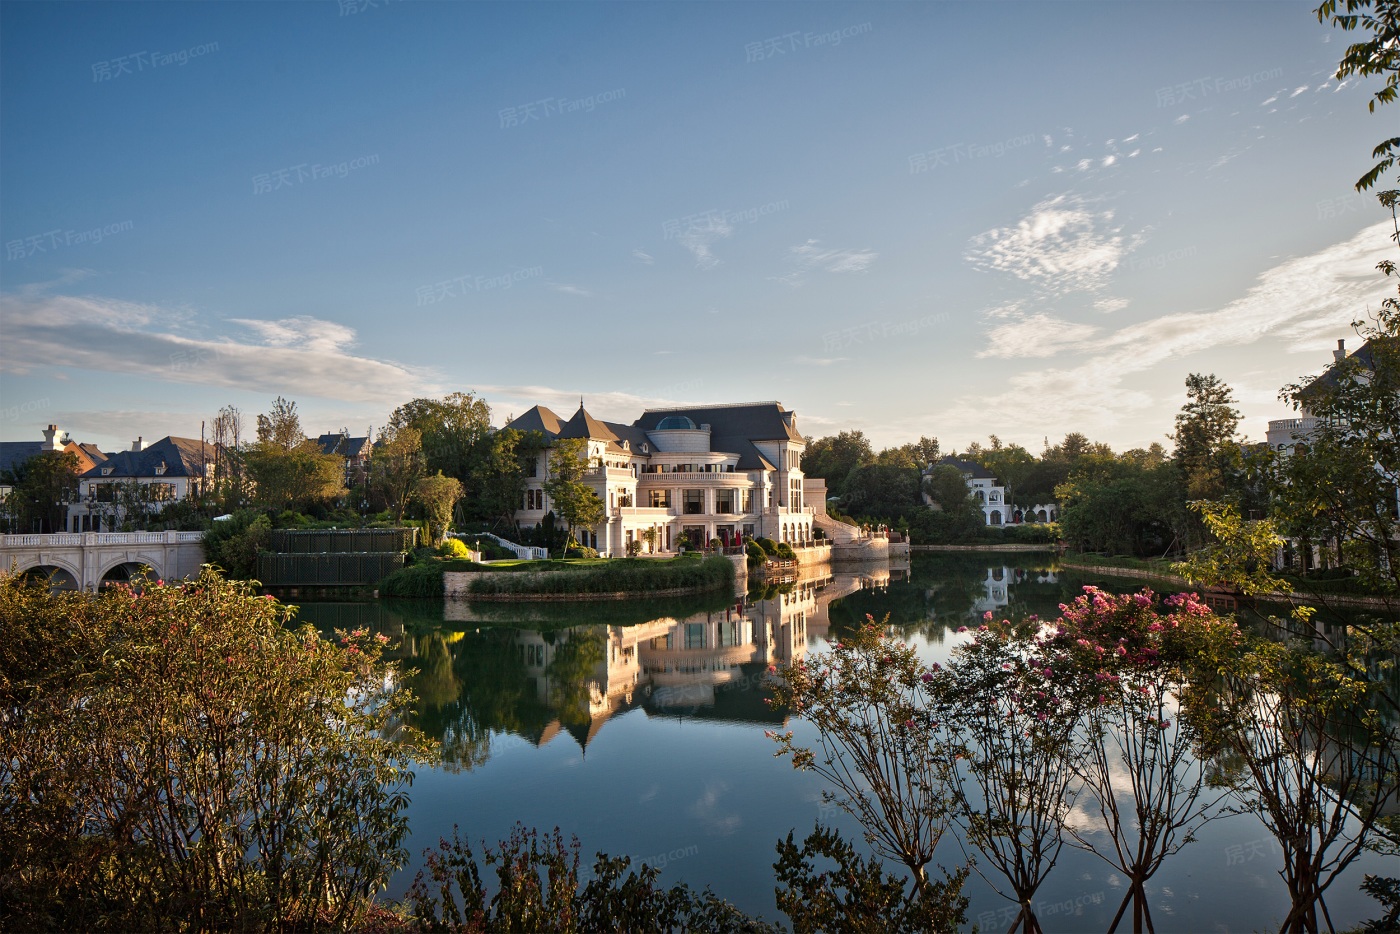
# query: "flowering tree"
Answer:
x=1141 y=757
x=1318 y=762
x=876 y=732
x=1011 y=718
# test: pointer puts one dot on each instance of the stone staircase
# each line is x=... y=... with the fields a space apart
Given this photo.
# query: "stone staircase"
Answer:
x=840 y=533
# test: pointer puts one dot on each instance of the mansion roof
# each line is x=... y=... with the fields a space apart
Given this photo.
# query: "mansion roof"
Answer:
x=169 y=457
x=733 y=428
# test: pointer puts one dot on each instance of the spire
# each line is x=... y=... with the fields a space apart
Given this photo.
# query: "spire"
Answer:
x=580 y=401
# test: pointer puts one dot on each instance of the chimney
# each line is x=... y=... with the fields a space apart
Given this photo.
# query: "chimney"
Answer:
x=1340 y=353
x=138 y=444
x=53 y=439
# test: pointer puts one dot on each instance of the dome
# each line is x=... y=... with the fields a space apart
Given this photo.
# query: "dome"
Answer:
x=675 y=423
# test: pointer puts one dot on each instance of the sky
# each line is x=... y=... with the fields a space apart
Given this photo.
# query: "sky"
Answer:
x=945 y=219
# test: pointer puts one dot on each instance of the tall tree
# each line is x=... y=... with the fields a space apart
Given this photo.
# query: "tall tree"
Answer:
x=396 y=466
x=1206 y=450
x=574 y=500
x=281 y=426
x=437 y=495
x=452 y=429
x=1377 y=54
x=226 y=430
x=42 y=488
x=834 y=457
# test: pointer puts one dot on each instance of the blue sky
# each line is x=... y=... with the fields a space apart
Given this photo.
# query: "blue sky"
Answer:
x=912 y=219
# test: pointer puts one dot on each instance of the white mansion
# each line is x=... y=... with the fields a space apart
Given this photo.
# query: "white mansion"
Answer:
x=719 y=472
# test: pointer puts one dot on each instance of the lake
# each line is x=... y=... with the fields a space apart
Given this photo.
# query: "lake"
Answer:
x=639 y=728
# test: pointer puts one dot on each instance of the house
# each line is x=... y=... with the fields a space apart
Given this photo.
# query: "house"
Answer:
x=1285 y=436
x=15 y=454
x=990 y=495
x=165 y=472
x=702 y=473
x=354 y=451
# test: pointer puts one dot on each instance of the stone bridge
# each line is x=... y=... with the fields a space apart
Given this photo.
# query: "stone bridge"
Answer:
x=84 y=560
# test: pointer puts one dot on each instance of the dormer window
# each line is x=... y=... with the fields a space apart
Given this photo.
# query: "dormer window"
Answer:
x=107 y=471
x=160 y=469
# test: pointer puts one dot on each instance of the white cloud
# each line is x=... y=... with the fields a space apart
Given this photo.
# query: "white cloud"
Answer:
x=1109 y=305
x=1298 y=91
x=1037 y=335
x=1299 y=300
x=643 y=257
x=571 y=290
x=293 y=356
x=1061 y=245
x=1182 y=119
x=819 y=361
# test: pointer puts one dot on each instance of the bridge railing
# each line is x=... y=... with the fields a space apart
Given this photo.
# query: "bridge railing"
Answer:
x=70 y=539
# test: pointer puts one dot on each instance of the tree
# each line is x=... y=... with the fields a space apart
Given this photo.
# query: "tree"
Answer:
x=1377 y=54
x=875 y=735
x=396 y=466
x=179 y=756
x=498 y=471
x=453 y=429
x=229 y=481
x=574 y=500
x=43 y=487
x=954 y=514
x=281 y=426
x=1012 y=465
x=288 y=470
x=1206 y=451
x=1141 y=678
x=437 y=495
x=1011 y=720
x=1343 y=485
x=1317 y=761
x=881 y=493
x=833 y=458
x=1240 y=556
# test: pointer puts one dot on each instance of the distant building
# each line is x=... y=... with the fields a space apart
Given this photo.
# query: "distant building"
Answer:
x=991 y=496
x=167 y=471
x=702 y=473
x=14 y=455
x=354 y=451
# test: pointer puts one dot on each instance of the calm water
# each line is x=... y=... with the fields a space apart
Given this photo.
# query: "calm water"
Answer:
x=641 y=731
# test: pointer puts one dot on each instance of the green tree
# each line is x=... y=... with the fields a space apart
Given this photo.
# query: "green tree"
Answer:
x=287 y=469
x=178 y=756
x=452 y=430
x=574 y=500
x=1377 y=54
x=953 y=514
x=43 y=486
x=396 y=466
x=1206 y=450
x=834 y=457
x=496 y=485
x=437 y=495
x=882 y=493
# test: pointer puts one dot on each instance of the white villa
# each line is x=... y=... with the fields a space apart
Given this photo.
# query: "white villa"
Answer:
x=991 y=496
x=720 y=472
x=167 y=471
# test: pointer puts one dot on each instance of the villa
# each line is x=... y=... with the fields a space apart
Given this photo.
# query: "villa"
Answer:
x=699 y=474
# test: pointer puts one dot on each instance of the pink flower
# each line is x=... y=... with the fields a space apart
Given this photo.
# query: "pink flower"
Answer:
x=926 y=677
x=1142 y=599
x=987 y=615
x=962 y=629
x=1120 y=651
x=772 y=667
x=1164 y=725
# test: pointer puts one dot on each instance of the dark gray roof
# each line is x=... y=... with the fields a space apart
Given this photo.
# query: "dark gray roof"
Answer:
x=538 y=419
x=969 y=467
x=750 y=421
x=344 y=445
x=182 y=457
x=1364 y=358
x=15 y=453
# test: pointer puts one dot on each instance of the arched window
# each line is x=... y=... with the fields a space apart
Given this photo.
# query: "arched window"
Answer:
x=995 y=517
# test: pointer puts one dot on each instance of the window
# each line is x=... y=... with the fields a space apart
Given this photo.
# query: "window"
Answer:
x=160 y=492
x=660 y=499
x=746 y=502
x=724 y=501
x=694 y=502
x=106 y=492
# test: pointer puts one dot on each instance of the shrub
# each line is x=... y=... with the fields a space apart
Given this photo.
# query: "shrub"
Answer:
x=180 y=758
x=452 y=548
x=768 y=545
x=234 y=544
x=784 y=552
x=626 y=575
x=421 y=579
x=756 y=554
x=634 y=548
x=581 y=551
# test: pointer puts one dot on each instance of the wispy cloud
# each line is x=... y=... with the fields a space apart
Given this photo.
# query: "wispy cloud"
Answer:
x=1062 y=245
x=1036 y=335
x=698 y=239
x=643 y=257
x=294 y=356
x=811 y=257
x=571 y=290
x=1297 y=303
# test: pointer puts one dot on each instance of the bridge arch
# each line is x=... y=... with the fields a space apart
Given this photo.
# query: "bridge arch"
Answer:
x=23 y=565
x=59 y=578
x=122 y=570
